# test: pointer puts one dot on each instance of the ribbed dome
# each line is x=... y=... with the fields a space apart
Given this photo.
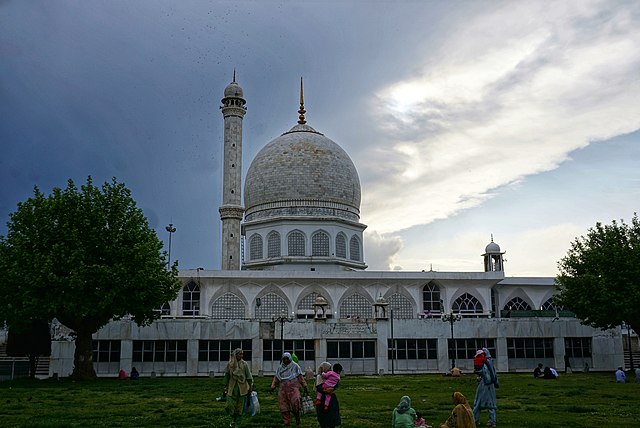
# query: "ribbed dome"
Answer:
x=302 y=173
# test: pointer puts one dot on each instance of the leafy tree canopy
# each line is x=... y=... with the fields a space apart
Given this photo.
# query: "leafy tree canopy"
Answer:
x=83 y=256
x=600 y=275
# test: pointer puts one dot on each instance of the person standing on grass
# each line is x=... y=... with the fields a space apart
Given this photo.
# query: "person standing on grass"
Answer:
x=238 y=384
x=403 y=415
x=288 y=379
x=330 y=418
x=486 y=391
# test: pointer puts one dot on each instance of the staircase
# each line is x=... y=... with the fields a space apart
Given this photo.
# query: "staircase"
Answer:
x=15 y=367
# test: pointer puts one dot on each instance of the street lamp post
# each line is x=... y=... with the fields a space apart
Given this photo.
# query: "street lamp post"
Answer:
x=282 y=318
x=451 y=318
x=171 y=229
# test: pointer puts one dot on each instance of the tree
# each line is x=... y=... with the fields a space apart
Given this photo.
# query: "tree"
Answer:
x=84 y=256
x=600 y=275
x=32 y=341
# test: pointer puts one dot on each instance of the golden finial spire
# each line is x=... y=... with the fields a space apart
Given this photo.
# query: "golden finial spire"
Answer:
x=302 y=111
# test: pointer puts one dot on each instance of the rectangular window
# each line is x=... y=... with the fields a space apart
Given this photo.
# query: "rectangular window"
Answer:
x=106 y=351
x=577 y=347
x=272 y=349
x=538 y=347
x=345 y=349
x=413 y=349
x=159 y=350
x=220 y=350
x=461 y=349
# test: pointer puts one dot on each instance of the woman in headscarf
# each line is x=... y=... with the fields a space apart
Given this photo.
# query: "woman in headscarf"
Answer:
x=289 y=378
x=403 y=414
x=329 y=418
x=238 y=384
x=486 y=392
x=462 y=415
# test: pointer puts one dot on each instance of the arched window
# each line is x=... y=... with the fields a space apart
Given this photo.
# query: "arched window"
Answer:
x=228 y=306
x=402 y=308
x=320 y=244
x=273 y=244
x=550 y=305
x=163 y=309
x=341 y=246
x=354 y=248
x=431 y=299
x=466 y=305
x=255 y=247
x=356 y=306
x=271 y=305
x=517 y=304
x=296 y=243
x=191 y=299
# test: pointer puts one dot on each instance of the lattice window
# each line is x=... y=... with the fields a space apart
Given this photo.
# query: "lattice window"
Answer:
x=461 y=349
x=220 y=350
x=255 y=247
x=191 y=299
x=577 y=347
x=517 y=304
x=356 y=306
x=402 y=308
x=354 y=248
x=271 y=305
x=273 y=244
x=306 y=303
x=431 y=299
x=467 y=304
x=228 y=306
x=412 y=349
x=341 y=246
x=550 y=305
x=530 y=347
x=106 y=351
x=320 y=244
x=296 y=243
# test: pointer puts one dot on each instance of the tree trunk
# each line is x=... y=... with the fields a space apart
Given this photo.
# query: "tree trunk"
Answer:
x=83 y=357
x=33 y=363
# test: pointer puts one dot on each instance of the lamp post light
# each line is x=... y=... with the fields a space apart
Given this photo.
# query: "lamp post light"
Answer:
x=451 y=318
x=282 y=318
x=171 y=229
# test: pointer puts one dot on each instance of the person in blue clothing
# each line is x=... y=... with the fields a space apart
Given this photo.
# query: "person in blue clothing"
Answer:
x=486 y=391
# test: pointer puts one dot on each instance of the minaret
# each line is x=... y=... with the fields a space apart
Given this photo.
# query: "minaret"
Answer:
x=493 y=260
x=231 y=211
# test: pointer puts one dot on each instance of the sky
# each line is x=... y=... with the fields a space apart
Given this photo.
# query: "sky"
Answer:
x=465 y=120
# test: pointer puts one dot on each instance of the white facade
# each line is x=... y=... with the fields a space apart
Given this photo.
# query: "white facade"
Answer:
x=303 y=287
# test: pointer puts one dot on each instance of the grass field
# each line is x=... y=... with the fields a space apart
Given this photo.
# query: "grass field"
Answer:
x=574 y=400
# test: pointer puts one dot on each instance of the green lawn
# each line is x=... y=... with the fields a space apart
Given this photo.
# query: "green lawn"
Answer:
x=577 y=400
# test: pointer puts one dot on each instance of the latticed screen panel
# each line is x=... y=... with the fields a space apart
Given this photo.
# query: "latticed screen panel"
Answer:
x=550 y=305
x=255 y=247
x=273 y=245
x=271 y=305
x=296 y=244
x=228 y=306
x=354 y=248
x=306 y=303
x=320 y=244
x=341 y=246
x=401 y=306
x=356 y=305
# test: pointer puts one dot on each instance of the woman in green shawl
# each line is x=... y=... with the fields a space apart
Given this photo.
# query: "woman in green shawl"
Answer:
x=238 y=384
x=403 y=415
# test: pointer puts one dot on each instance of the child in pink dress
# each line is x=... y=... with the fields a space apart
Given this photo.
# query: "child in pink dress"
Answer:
x=331 y=379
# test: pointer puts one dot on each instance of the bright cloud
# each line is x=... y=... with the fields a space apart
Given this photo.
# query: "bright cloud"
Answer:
x=511 y=95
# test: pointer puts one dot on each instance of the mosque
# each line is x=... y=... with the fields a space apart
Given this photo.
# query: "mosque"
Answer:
x=293 y=278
